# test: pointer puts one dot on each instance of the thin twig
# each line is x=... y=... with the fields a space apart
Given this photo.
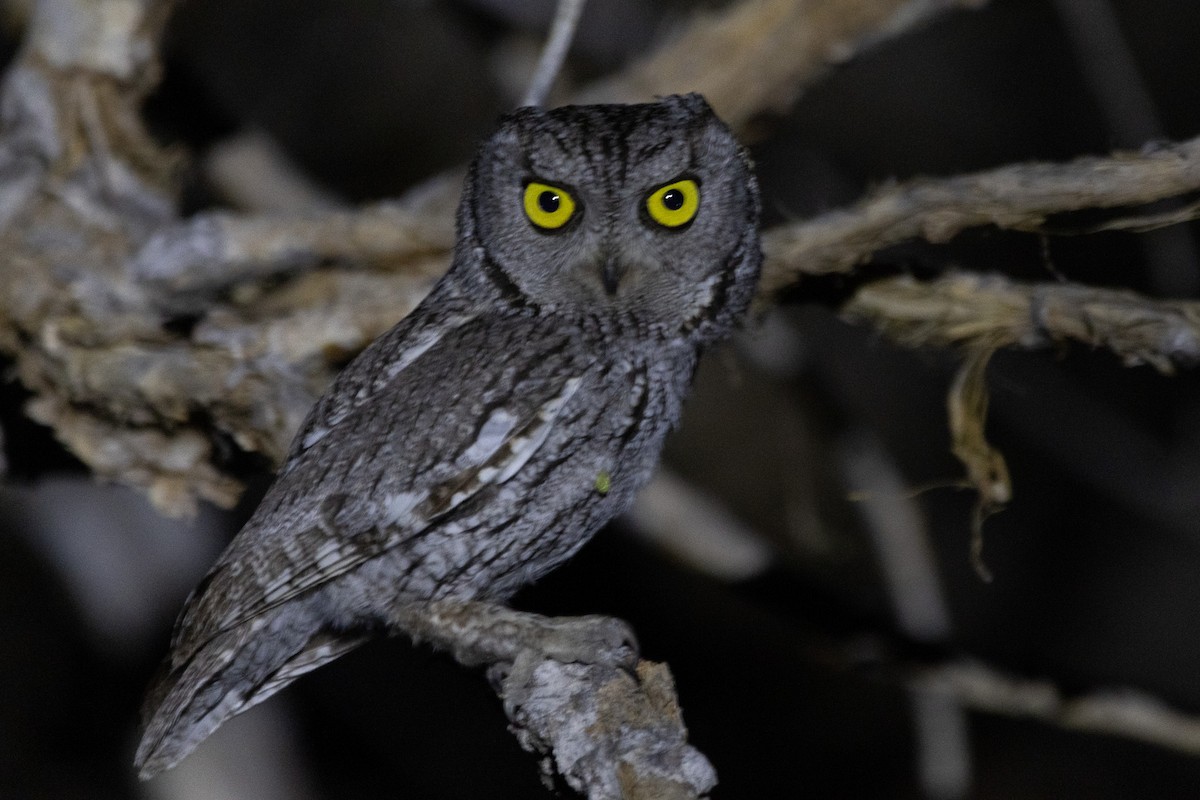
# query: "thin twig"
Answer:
x=562 y=32
x=1126 y=712
x=966 y=406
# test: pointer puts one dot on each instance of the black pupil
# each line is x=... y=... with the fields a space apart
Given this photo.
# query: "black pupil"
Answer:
x=548 y=202
x=673 y=199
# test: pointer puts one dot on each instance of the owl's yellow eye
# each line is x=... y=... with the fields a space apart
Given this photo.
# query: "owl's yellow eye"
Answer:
x=548 y=207
x=675 y=204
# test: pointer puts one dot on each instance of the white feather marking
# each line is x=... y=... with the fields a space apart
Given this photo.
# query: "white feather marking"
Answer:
x=514 y=452
x=397 y=508
x=304 y=662
x=328 y=559
x=230 y=704
x=491 y=436
x=523 y=447
x=314 y=436
x=422 y=344
x=326 y=548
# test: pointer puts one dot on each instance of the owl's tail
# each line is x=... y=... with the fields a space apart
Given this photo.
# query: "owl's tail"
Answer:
x=237 y=669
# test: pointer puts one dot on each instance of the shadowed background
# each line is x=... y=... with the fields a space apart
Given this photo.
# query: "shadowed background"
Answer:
x=793 y=669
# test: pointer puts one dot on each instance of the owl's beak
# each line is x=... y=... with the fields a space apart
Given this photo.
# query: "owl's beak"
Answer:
x=611 y=274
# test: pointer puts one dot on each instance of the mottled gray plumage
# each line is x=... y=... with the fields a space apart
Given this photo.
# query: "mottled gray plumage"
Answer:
x=480 y=442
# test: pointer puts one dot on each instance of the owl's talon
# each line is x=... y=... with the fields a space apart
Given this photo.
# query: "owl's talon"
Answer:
x=592 y=639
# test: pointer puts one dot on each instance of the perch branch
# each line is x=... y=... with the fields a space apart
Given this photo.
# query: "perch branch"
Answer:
x=577 y=696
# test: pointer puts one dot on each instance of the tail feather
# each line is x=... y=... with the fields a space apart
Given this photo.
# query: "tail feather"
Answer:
x=229 y=674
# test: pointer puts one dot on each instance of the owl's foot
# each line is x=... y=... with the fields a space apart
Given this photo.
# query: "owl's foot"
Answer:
x=576 y=696
x=484 y=633
x=593 y=640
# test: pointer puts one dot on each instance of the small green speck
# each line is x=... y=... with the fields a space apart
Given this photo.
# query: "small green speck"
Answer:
x=603 y=481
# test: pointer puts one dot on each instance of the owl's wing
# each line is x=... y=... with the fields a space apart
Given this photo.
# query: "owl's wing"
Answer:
x=258 y=573
x=504 y=445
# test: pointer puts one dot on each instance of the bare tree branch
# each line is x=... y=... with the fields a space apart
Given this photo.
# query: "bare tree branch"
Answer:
x=980 y=314
x=1125 y=712
x=577 y=695
x=214 y=250
x=988 y=312
x=1016 y=197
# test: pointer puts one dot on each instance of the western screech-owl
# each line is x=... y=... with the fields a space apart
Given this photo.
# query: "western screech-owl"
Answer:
x=482 y=440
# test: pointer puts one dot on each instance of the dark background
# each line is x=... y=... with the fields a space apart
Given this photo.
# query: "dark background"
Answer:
x=788 y=679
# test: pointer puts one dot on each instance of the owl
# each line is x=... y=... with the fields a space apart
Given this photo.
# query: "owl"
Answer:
x=485 y=438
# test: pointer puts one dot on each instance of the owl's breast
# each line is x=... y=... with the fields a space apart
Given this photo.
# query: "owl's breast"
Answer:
x=603 y=448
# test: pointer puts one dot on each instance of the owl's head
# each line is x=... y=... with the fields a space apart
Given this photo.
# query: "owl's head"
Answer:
x=645 y=214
